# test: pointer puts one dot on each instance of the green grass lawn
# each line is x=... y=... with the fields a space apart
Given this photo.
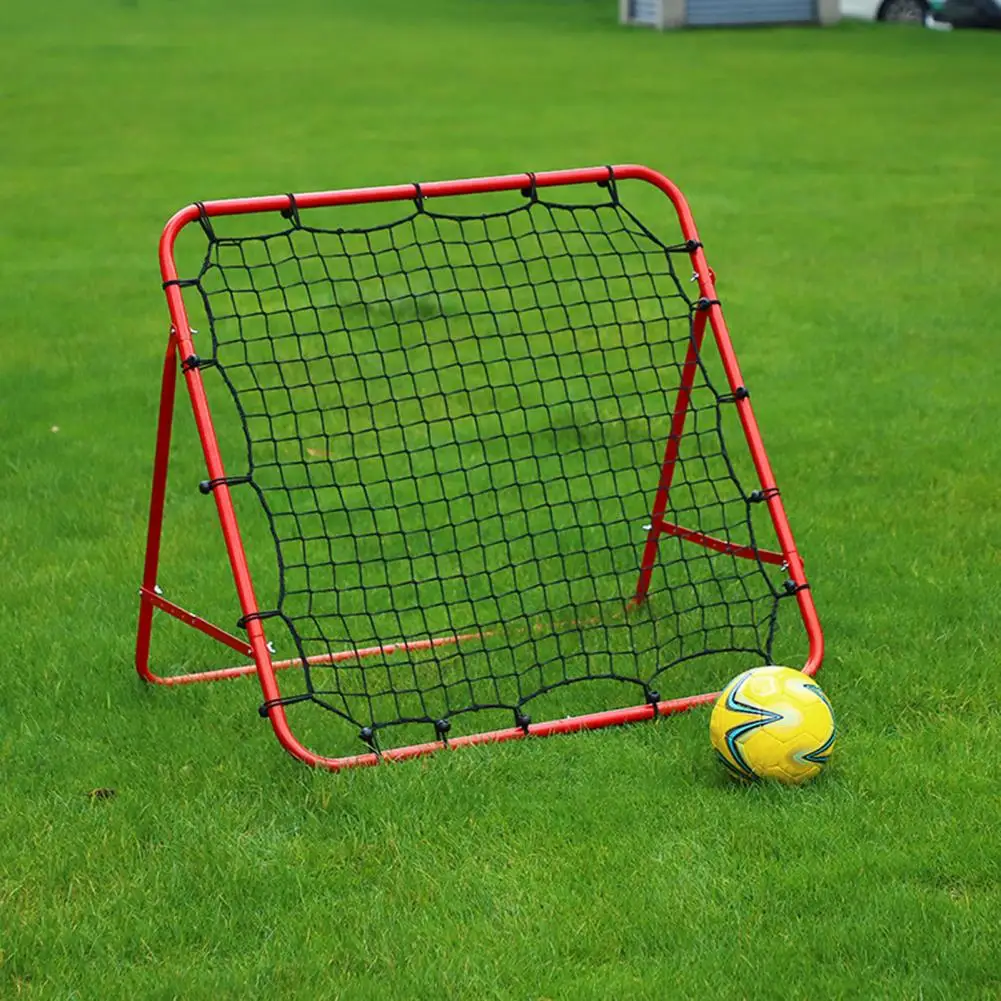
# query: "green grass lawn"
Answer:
x=845 y=184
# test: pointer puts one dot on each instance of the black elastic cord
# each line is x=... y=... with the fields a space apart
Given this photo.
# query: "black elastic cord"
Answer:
x=653 y=698
x=441 y=728
x=740 y=393
x=610 y=184
x=418 y=197
x=532 y=191
x=207 y=486
x=688 y=247
x=245 y=620
x=286 y=700
x=291 y=211
x=196 y=361
x=203 y=218
x=180 y=282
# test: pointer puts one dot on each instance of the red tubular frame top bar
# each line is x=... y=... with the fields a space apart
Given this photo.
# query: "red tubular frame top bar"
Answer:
x=407 y=192
x=182 y=338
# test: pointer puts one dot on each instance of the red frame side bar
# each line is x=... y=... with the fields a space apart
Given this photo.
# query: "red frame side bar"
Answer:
x=180 y=346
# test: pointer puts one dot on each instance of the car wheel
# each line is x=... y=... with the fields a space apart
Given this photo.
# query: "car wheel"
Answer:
x=903 y=10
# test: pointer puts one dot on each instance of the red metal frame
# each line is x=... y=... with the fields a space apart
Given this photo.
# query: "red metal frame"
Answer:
x=180 y=345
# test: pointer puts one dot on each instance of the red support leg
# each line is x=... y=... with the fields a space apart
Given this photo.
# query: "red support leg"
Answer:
x=670 y=456
x=149 y=595
x=154 y=534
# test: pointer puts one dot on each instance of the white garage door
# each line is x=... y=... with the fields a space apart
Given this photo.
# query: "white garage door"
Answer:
x=750 y=11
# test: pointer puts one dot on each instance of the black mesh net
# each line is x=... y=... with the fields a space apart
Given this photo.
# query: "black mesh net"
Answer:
x=456 y=426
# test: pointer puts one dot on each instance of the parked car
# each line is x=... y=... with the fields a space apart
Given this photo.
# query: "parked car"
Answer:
x=967 y=13
x=885 y=10
x=933 y=13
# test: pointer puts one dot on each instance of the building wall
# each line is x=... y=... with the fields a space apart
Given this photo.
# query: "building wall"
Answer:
x=828 y=11
x=673 y=13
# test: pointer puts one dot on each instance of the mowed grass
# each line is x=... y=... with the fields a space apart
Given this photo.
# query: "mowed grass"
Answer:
x=846 y=188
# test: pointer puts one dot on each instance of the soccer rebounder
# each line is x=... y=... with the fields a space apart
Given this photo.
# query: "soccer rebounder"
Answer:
x=507 y=465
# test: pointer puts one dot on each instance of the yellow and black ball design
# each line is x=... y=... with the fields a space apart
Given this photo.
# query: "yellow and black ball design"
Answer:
x=773 y=723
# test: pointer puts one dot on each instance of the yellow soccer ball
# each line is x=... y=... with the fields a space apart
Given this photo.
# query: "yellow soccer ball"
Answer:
x=773 y=723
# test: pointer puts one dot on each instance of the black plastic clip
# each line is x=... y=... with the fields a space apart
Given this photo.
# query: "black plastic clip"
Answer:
x=757 y=496
x=196 y=361
x=522 y=721
x=207 y=486
x=702 y=303
x=740 y=393
x=291 y=211
x=653 y=698
x=688 y=247
x=441 y=728
x=791 y=587
x=245 y=620
x=367 y=736
x=418 y=197
x=532 y=191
